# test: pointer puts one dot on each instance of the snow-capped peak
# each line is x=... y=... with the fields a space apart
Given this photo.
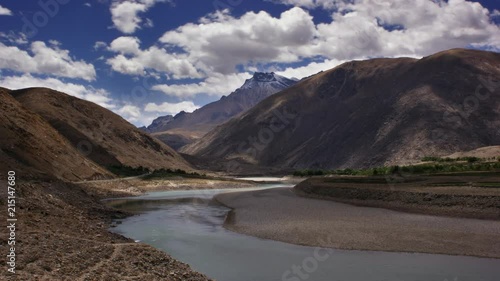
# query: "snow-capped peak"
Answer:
x=262 y=78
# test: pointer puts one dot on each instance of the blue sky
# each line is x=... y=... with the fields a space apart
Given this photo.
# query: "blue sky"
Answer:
x=146 y=58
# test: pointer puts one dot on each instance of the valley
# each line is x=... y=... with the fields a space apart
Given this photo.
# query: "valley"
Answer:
x=376 y=162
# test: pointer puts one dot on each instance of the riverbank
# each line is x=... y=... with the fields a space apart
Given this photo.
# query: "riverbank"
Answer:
x=469 y=195
x=280 y=214
x=63 y=231
x=63 y=234
x=136 y=186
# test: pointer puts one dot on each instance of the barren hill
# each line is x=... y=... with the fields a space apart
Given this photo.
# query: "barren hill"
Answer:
x=102 y=136
x=31 y=147
x=369 y=113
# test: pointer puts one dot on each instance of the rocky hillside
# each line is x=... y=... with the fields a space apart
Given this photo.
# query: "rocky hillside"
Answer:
x=186 y=127
x=369 y=113
x=69 y=138
x=31 y=147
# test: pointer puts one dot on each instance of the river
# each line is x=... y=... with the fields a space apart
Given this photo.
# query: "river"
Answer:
x=188 y=226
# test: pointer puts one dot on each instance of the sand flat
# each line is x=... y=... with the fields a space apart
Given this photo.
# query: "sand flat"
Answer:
x=280 y=214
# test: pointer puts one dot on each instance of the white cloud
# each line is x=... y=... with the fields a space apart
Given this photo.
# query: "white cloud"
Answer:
x=154 y=58
x=45 y=60
x=100 y=45
x=126 y=45
x=149 y=23
x=308 y=70
x=326 y=4
x=87 y=4
x=14 y=38
x=361 y=28
x=5 y=12
x=125 y=14
x=55 y=43
x=98 y=96
x=216 y=85
x=220 y=42
x=130 y=112
x=171 y=108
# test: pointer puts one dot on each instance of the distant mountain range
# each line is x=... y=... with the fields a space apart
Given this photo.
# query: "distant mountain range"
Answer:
x=359 y=114
x=46 y=133
x=368 y=113
x=184 y=128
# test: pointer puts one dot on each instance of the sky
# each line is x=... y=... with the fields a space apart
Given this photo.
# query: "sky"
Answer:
x=148 y=58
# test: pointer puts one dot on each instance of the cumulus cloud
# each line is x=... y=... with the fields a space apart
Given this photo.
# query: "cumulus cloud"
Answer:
x=144 y=116
x=45 y=60
x=220 y=44
x=125 y=14
x=308 y=70
x=98 y=96
x=126 y=45
x=130 y=112
x=326 y=4
x=215 y=85
x=5 y=12
x=362 y=28
x=133 y=61
x=167 y=108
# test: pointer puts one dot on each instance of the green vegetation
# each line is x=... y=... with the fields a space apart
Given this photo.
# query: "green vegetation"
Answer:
x=439 y=165
x=489 y=184
x=167 y=173
x=447 y=159
x=127 y=171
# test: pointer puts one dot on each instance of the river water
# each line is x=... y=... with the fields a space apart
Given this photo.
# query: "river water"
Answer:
x=188 y=226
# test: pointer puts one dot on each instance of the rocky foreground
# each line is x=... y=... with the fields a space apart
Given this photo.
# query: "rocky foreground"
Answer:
x=63 y=235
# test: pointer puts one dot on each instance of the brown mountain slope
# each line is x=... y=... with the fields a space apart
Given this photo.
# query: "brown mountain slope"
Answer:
x=101 y=135
x=369 y=113
x=32 y=148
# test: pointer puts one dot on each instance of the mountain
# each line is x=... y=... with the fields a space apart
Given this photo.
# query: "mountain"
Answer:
x=159 y=123
x=88 y=131
x=368 y=113
x=32 y=148
x=185 y=127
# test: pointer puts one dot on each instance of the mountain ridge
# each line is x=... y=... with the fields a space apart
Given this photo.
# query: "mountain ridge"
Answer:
x=187 y=127
x=368 y=113
x=92 y=135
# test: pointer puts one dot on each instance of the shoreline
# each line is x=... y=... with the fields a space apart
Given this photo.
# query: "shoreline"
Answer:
x=66 y=232
x=424 y=196
x=317 y=222
x=137 y=187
